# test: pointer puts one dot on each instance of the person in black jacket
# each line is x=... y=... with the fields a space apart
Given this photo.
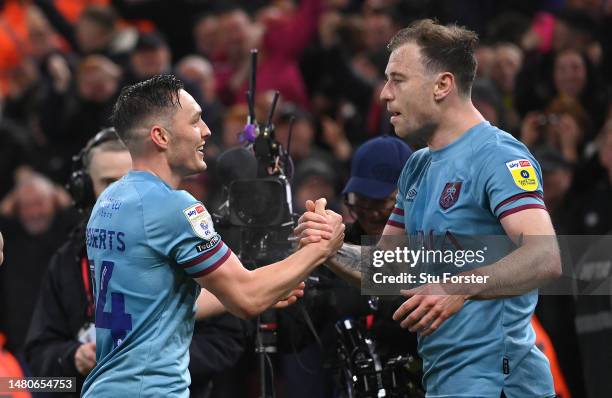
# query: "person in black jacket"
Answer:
x=61 y=338
x=370 y=197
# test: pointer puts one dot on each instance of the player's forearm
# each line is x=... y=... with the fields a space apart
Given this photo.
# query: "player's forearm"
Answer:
x=208 y=305
x=271 y=283
x=525 y=269
x=346 y=263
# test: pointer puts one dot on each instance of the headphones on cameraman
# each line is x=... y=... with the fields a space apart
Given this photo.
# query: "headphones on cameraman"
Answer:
x=79 y=184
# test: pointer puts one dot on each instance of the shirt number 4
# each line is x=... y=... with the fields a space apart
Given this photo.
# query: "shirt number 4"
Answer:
x=117 y=320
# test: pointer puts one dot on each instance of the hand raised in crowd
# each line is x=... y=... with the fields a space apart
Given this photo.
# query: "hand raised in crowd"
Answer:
x=85 y=358
x=426 y=307
x=318 y=225
x=530 y=129
x=569 y=136
x=335 y=136
x=59 y=70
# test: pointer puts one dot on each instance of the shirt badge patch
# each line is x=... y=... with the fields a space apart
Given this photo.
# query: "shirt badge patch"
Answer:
x=412 y=193
x=200 y=220
x=523 y=174
x=450 y=194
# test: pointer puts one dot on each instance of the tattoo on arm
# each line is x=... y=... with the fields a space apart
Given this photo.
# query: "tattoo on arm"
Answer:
x=348 y=257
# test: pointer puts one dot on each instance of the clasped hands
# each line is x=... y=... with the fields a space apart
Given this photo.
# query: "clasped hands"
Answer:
x=426 y=307
x=326 y=230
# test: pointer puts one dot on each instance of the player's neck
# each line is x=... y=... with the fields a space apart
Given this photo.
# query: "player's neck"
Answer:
x=455 y=122
x=158 y=168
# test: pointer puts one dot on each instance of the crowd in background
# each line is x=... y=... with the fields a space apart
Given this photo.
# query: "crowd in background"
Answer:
x=540 y=77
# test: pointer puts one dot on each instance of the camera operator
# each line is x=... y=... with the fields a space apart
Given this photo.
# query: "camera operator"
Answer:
x=370 y=197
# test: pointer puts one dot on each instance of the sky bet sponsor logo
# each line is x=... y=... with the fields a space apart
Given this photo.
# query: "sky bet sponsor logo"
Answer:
x=523 y=174
x=202 y=247
x=200 y=220
x=518 y=163
x=195 y=211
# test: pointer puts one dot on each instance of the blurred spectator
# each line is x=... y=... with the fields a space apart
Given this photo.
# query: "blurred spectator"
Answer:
x=207 y=36
x=378 y=27
x=567 y=72
x=488 y=101
x=1 y=249
x=593 y=312
x=150 y=57
x=34 y=228
x=485 y=59
x=21 y=99
x=71 y=117
x=575 y=76
x=15 y=150
x=594 y=215
x=302 y=147
x=233 y=124
x=61 y=337
x=508 y=60
x=280 y=35
x=340 y=76
x=557 y=175
x=314 y=178
x=334 y=136
x=167 y=17
x=42 y=37
x=199 y=71
x=573 y=28
x=95 y=31
x=564 y=126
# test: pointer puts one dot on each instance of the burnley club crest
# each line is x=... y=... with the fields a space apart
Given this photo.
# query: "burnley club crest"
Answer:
x=450 y=194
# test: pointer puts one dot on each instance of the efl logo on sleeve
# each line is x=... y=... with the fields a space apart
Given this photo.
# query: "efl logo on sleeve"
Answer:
x=200 y=220
x=523 y=174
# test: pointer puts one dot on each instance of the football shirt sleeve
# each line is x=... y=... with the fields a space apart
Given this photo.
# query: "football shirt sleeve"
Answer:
x=512 y=180
x=187 y=235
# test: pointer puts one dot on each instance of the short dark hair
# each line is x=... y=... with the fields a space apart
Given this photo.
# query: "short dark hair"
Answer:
x=104 y=16
x=443 y=48
x=157 y=96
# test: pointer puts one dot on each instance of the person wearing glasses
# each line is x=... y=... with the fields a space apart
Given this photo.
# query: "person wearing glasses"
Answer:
x=370 y=191
x=369 y=195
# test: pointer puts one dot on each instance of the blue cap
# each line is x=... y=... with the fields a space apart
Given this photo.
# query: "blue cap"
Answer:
x=376 y=167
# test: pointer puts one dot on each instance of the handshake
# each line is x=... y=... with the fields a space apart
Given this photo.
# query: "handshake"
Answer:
x=319 y=226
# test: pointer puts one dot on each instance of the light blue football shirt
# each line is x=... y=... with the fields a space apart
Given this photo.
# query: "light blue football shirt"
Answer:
x=466 y=188
x=145 y=243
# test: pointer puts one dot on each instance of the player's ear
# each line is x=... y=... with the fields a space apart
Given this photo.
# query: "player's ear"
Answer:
x=160 y=136
x=443 y=85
